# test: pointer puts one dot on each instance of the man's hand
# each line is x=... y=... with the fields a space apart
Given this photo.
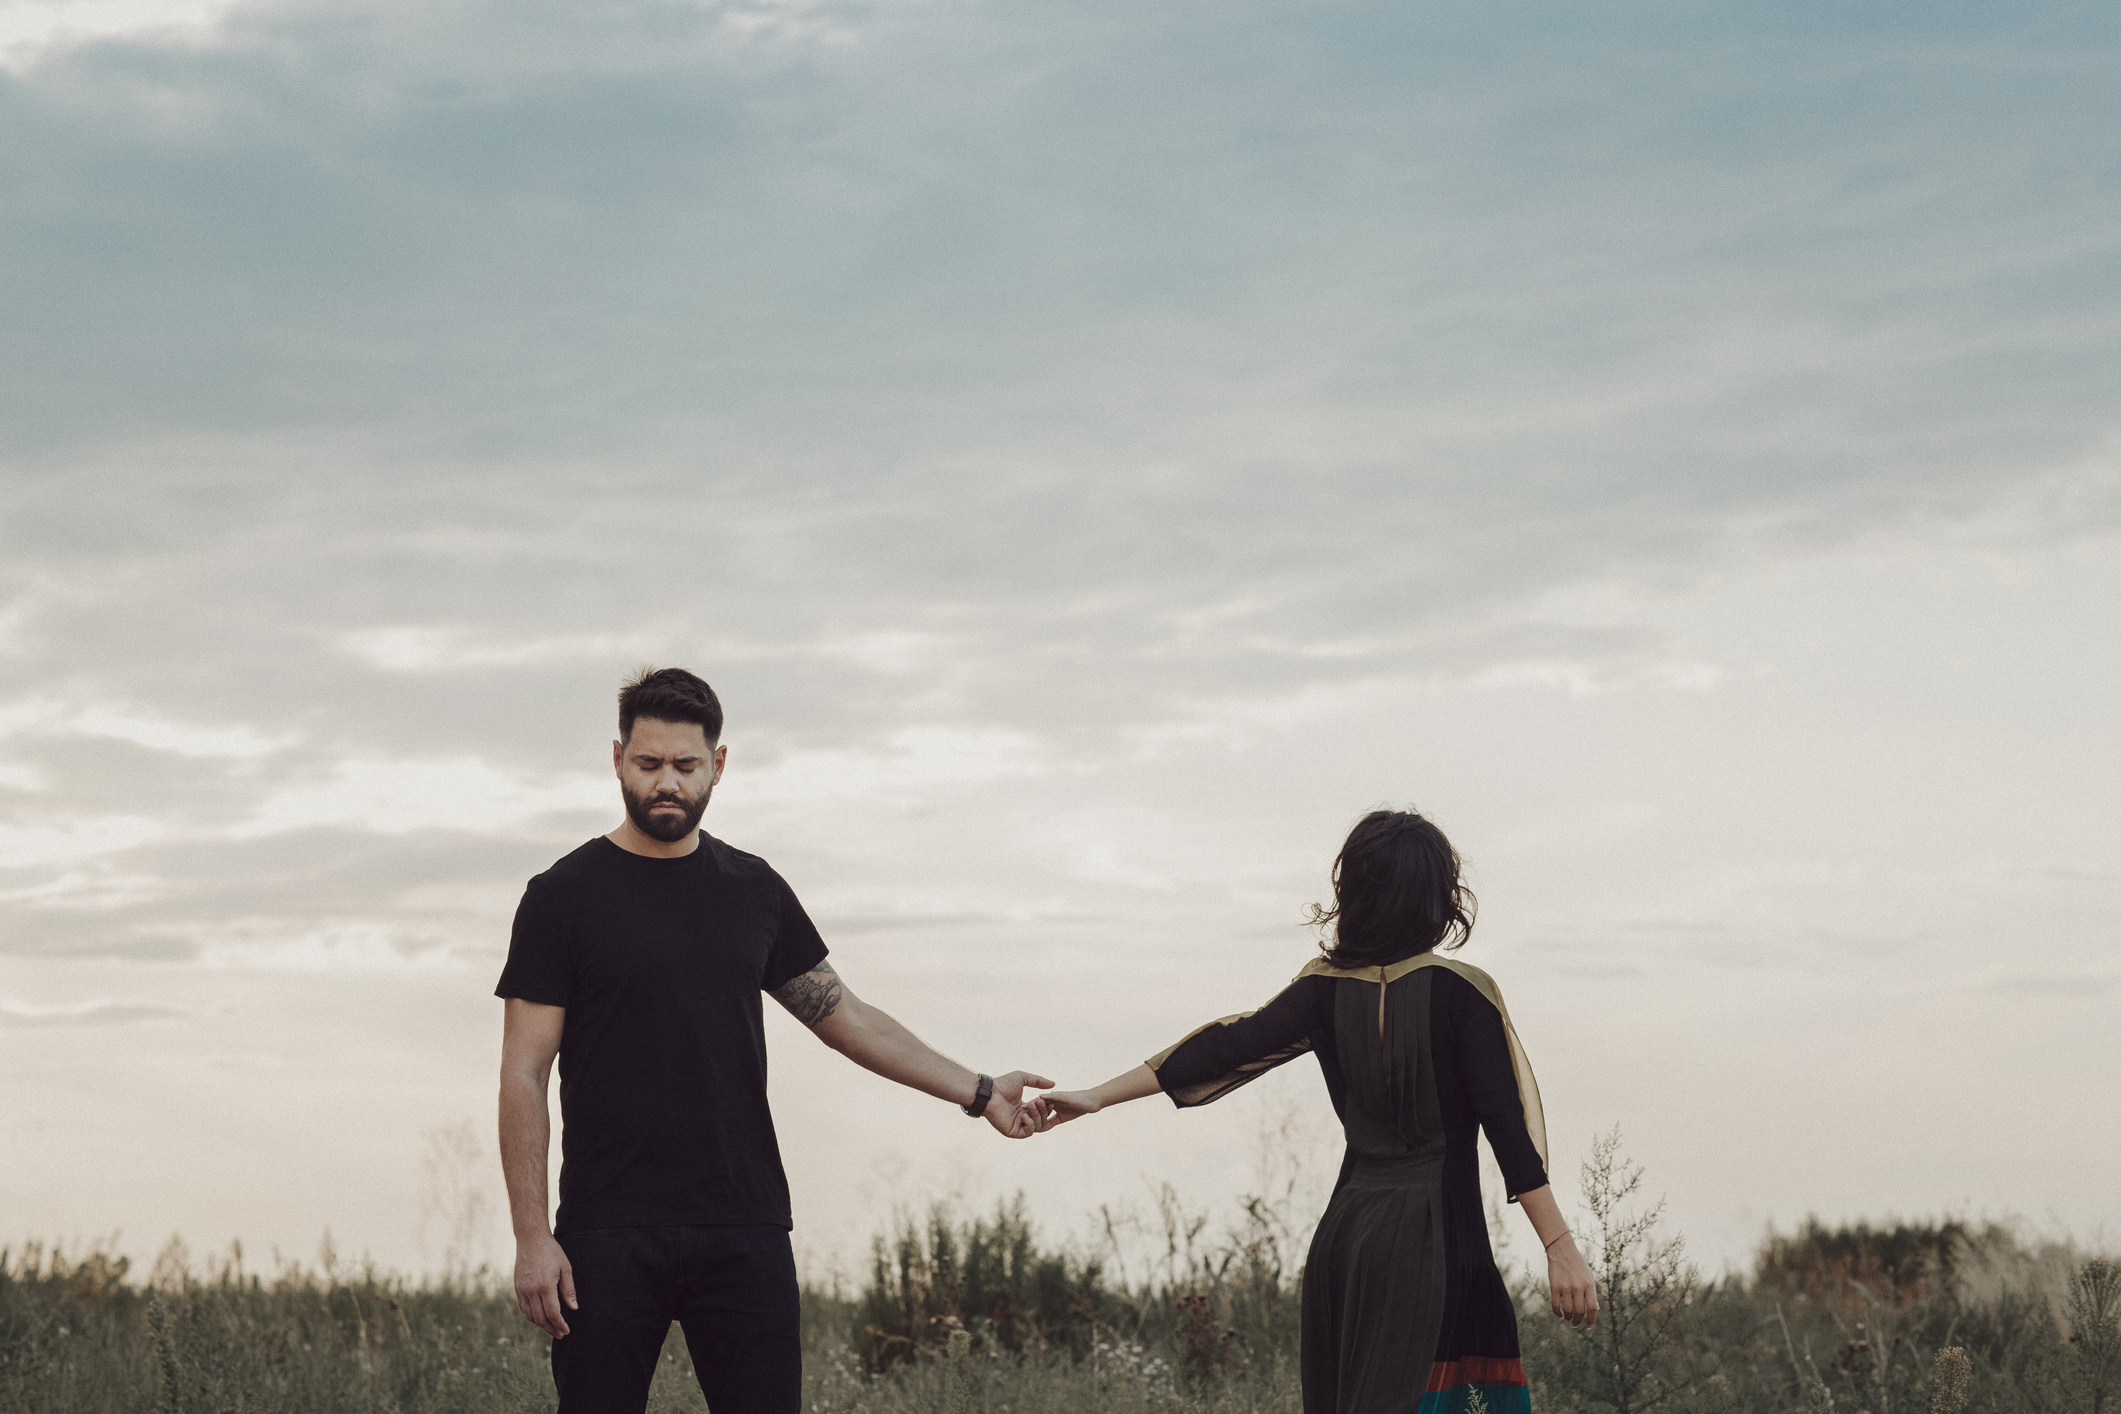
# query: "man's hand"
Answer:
x=1006 y=1110
x=544 y=1279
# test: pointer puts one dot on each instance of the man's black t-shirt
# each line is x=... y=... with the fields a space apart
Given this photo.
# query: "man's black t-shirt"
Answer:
x=660 y=964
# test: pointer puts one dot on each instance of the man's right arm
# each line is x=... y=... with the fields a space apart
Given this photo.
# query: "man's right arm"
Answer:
x=530 y=1038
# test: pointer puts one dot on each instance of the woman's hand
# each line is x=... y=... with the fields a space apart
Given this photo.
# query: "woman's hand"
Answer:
x=1570 y=1286
x=1064 y=1105
x=1060 y=1106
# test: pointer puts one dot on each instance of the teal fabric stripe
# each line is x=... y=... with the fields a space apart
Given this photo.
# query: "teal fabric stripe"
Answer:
x=1500 y=1399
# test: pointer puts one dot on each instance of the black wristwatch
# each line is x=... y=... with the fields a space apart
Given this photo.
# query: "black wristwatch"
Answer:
x=978 y=1106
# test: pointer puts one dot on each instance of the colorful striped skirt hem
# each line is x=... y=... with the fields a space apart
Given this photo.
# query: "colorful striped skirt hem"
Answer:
x=1499 y=1382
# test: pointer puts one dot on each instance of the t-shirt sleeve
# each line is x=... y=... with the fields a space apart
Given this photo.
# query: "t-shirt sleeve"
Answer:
x=539 y=967
x=1236 y=1050
x=1491 y=1086
x=796 y=945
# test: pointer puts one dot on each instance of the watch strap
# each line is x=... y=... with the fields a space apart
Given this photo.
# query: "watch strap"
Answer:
x=985 y=1093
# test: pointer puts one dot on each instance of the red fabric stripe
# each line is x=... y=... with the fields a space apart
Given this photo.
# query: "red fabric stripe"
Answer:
x=1476 y=1370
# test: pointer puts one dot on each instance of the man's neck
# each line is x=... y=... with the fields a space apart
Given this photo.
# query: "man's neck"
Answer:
x=633 y=840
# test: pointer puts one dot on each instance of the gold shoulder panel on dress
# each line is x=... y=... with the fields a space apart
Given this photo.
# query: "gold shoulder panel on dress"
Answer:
x=1535 y=1119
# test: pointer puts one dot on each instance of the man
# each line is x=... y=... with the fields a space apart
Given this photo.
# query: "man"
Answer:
x=639 y=960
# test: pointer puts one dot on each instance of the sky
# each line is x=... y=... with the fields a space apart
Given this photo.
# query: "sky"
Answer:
x=1097 y=452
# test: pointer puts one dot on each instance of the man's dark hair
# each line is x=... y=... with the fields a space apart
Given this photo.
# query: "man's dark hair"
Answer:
x=669 y=695
x=1396 y=892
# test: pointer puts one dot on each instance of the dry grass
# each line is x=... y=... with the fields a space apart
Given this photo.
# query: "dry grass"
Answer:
x=963 y=1313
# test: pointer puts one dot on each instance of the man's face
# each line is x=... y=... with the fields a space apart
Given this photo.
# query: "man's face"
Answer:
x=667 y=772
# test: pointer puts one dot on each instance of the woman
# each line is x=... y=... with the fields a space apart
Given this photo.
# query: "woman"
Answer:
x=1403 y=1309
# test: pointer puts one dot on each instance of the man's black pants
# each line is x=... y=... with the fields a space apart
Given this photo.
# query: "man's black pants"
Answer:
x=732 y=1288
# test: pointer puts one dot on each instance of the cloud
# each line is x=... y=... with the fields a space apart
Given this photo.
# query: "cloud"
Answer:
x=419 y=648
x=945 y=377
x=181 y=893
x=395 y=797
x=1583 y=679
x=52 y=718
x=1466 y=302
x=89 y=889
x=357 y=945
x=1136 y=846
x=16 y=1015
x=32 y=29
x=992 y=405
x=916 y=764
x=30 y=846
x=158 y=735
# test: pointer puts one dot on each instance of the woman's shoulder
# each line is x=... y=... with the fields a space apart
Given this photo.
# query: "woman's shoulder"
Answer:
x=1458 y=983
x=1315 y=977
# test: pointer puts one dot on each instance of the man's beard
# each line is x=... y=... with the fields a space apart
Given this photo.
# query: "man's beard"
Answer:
x=667 y=827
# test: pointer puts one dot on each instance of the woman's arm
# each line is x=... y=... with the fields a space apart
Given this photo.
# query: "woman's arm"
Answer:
x=1217 y=1058
x=1210 y=1062
x=1491 y=1086
x=1064 y=1105
x=1570 y=1288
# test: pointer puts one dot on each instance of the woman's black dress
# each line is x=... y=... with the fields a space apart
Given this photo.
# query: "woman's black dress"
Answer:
x=1403 y=1309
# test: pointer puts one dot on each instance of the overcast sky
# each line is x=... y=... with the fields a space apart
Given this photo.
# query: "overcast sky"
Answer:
x=1097 y=451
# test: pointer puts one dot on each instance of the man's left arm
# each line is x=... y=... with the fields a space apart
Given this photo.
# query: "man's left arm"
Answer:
x=873 y=1039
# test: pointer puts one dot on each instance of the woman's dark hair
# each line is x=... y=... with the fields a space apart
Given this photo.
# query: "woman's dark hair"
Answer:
x=1396 y=892
x=669 y=695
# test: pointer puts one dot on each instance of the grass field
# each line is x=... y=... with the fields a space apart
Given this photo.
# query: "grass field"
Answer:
x=969 y=1312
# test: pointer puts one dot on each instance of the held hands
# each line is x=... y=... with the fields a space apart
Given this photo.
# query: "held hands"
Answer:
x=1012 y=1116
x=1064 y=1105
x=1042 y=1112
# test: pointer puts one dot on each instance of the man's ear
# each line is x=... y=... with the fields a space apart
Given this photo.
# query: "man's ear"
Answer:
x=618 y=757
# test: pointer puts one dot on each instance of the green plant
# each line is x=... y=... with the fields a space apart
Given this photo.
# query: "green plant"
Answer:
x=168 y=1399
x=985 y=1276
x=2095 y=1333
x=1628 y=1362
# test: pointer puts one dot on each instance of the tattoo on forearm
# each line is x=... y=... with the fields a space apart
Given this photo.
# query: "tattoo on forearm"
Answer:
x=813 y=996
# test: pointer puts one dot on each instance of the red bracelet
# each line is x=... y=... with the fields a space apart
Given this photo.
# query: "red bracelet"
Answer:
x=1557 y=1237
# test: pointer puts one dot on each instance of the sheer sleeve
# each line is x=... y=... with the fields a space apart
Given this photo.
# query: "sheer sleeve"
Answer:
x=1217 y=1058
x=1491 y=1085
